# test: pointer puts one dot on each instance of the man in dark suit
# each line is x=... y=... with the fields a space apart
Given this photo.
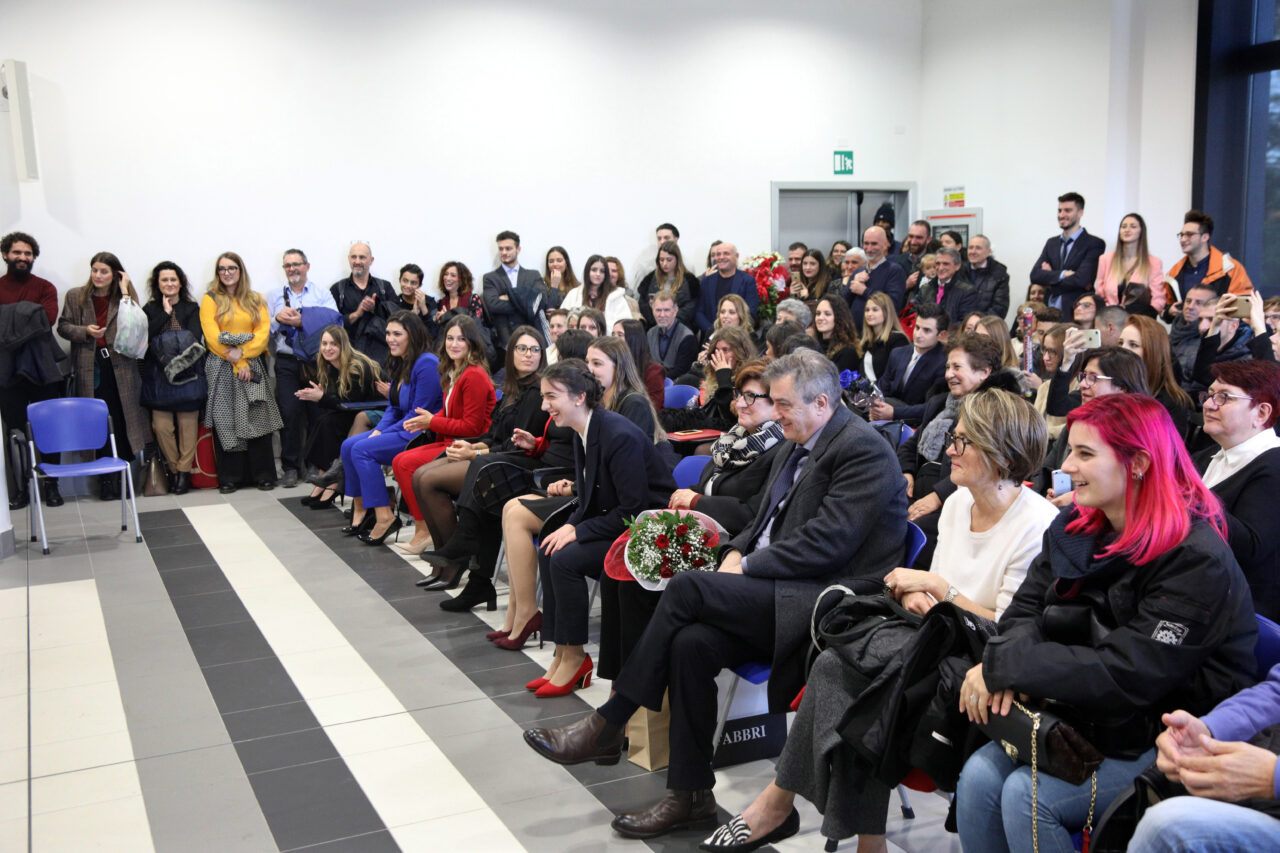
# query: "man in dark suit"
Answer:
x=911 y=373
x=1069 y=263
x=826 y=519
x=880 y=273
x=719 y=282
x=365 y=303
x=505 y=292
x=949 y=289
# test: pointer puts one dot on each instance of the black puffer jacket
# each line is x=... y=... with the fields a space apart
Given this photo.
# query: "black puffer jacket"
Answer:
x=1121 y=644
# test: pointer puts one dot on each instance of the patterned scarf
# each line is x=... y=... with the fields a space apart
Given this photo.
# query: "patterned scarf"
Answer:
x=934 y=435
x=737 y=449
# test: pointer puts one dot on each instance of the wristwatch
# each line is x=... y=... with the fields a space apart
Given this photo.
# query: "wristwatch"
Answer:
x=952 y=592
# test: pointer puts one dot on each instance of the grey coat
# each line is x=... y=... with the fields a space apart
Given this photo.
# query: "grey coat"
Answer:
x=77 y=316
x=846 y=518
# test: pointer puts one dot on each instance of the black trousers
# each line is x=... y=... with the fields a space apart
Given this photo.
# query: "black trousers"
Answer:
x=291 y=376
x=564 y=589
x=109 y=393
x=257 y=464
x=705 y=622
x=14 y=399
x=625 y=611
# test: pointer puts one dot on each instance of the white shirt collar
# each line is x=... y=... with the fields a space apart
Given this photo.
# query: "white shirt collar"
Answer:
x=1227 y=462
x=586 y=429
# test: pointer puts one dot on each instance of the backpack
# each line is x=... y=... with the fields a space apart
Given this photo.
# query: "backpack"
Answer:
x=305 y=341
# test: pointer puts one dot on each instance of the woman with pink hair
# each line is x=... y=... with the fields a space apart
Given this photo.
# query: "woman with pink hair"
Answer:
x=1135 y=607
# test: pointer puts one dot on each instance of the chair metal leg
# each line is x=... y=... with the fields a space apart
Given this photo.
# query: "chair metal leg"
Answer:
x=907 y=812
x=724 y=713
x=133 y=504
x=31 y=508
x=39 y=504
x=500 y=562
x=124 y=493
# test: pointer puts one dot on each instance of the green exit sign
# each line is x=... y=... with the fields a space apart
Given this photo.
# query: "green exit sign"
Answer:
x=842 y=163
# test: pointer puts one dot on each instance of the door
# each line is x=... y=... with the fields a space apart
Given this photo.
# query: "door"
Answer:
x=818 y=214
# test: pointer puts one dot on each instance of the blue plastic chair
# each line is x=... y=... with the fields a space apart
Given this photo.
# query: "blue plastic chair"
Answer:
x=497 y=393
x=1267 y=651
x=69 y=425
x=667 y=383
x=688 y=470
x=678 y=396
x=757 y=672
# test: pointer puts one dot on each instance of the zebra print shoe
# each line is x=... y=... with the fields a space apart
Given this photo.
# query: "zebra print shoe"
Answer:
x=732 y=837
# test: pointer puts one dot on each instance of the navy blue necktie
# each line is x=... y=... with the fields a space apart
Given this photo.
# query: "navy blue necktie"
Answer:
x=1066 y=250
x=782 y=485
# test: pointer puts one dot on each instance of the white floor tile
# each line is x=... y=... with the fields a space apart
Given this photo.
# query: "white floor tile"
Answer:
x=374 y=735
x=120 y=825
x=476 y=830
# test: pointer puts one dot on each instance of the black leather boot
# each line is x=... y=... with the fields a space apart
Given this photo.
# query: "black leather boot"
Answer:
x=52 y=497
x=478 y=590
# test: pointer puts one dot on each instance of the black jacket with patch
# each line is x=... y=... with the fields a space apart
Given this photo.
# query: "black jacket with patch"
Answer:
x=1121 y=644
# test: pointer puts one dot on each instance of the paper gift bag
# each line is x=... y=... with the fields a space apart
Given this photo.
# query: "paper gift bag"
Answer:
x=648 y=733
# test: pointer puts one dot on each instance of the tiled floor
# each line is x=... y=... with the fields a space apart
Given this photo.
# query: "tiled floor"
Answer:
x=248 y=679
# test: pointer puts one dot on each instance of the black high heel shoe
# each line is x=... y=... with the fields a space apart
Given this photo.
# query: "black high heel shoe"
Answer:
x=447 y=577
x=324 y=503
x=366 y=524
x=369 y=539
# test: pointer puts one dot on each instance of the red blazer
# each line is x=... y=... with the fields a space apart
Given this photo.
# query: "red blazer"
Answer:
x=655 y=381
x=468 y=407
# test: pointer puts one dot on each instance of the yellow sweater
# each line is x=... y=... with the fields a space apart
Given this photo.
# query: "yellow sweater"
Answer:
x=238 y=323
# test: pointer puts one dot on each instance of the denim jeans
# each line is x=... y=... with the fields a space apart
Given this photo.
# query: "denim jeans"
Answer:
x=993 y=802
x=1185 y=824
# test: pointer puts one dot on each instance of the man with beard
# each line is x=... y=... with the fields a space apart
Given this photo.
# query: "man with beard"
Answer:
x=20 y=251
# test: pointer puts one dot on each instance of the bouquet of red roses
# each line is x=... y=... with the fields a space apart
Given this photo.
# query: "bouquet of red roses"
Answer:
x=773 y=281
x=662 y=543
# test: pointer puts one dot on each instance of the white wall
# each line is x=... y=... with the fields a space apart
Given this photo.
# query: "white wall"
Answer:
x=179 y=130
x=1025 y=101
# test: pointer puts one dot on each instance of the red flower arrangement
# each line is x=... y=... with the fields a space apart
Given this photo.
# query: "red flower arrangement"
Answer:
x=662 y=543
x=773 y=281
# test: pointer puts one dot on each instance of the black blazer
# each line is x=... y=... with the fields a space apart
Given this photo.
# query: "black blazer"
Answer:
x=838 y=523
x=1252 y=531
x=737 y=493
x=608 y=479
x=928 y=371
x=880 y=351
x=503 y=315
x=1085 y=252
x=188 y=316
x=958 y=299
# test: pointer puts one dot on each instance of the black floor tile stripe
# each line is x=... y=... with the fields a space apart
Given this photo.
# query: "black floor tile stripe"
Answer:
x=308 y=795
x=500 y=674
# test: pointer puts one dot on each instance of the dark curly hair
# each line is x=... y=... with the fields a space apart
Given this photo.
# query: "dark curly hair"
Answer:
x=575 y=377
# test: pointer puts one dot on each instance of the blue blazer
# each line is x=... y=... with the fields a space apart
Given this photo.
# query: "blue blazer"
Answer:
x=888 y=278
x=929 y=369
x=742 y=284
x=1083 y=258
x=618 y=474
x=422 y=391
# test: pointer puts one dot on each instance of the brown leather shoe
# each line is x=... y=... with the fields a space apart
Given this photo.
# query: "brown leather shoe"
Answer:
x=677 y=810
x=577 y=743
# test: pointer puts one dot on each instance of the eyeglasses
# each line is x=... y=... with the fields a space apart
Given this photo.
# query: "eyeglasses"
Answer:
x=1087 y=380
x=1220 y=398
x=1056 y=353
x=750 y=397
x=522 y=349
x=293 y=266
x=960 y=442
x=225 y=270
x=1187 y=234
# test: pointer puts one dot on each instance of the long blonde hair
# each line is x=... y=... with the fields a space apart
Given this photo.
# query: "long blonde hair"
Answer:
x=739 y=305
x=353 y=367
x=246 y=297
x=887 y=328
x=999 y=332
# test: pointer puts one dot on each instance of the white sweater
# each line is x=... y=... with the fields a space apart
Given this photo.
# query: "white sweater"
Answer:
x=615 y=307
x=989 y=567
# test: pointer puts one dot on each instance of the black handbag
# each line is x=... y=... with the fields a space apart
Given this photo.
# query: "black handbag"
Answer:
x=1120 y=820
x=499 y=482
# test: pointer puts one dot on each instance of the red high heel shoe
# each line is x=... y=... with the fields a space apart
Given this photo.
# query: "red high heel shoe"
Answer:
x=535 y=684
x=533 y=626
x=582 y=678
x=493 y=635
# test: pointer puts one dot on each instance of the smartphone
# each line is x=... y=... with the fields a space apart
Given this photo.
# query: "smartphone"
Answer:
x=1243 y=308
x=1061 y=483
x=1092 y=338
